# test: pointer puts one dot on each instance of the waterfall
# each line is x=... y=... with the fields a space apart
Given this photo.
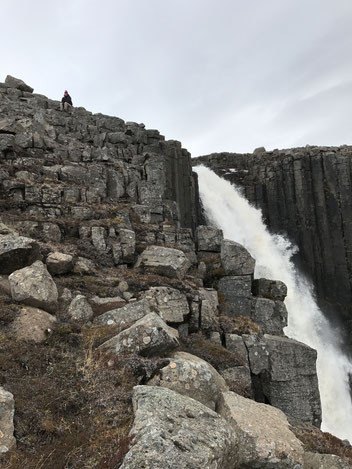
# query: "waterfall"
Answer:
x=227 y=209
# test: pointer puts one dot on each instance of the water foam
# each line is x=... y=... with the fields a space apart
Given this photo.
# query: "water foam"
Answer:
x=227 y=209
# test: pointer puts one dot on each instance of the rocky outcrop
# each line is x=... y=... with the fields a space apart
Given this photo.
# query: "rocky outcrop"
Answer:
x=191 y=376
x=305 y=193
x=173 y=431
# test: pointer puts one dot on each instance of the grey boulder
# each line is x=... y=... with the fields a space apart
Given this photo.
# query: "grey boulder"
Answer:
x=173 y=432
x=13 y=82
x=208 y=238
x=34 y=286
x=164 y=261
x=59 y=263
x=170 y=304
x=324 y=461
x=80 y=310
x=128 y=313
x=235 y=258
x=191 y=376
x=264 y=437
x=148 y=336
x=16 y=252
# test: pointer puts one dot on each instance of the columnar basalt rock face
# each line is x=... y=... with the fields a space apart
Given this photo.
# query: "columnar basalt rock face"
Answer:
x=305 y=193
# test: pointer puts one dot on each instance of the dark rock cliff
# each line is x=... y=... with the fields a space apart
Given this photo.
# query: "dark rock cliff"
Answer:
x=305 y=193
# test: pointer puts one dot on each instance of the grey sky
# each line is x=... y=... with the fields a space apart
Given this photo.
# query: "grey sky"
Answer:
x=225 y=75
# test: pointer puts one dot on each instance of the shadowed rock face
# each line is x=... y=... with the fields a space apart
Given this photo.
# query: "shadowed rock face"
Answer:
x=306 y=193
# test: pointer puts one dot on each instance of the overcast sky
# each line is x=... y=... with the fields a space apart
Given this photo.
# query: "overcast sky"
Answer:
x=224 y=75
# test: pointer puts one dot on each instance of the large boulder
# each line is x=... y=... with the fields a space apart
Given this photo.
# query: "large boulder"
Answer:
x=164 y=261
x=173 y=432
x=17 y=252
x=32 y=324
x=193 y=377
x=128 y=313
x=7 y=409
x=34 y=286
x=235 y=258
x=13 y=82
x=148 y=336
x=264 y=437
x=284 y=375
x=59 y=263
x=170 y=304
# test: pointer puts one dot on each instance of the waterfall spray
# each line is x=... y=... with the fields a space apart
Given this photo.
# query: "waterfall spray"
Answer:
x=227 y=209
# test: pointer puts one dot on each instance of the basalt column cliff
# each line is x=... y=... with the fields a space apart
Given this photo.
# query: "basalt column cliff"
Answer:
x=131 y=334
x=306 y=193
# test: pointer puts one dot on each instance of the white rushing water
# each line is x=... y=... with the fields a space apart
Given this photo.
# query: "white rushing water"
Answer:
x=227 y=209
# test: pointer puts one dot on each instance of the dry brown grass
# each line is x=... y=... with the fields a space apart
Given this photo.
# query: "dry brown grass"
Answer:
x=238 y=325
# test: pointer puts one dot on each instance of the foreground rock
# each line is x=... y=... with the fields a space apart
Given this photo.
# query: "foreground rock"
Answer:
x=7 y=440
x=324 y=461
x=164 y=261
x=34 y=286
x=173 y=432
x=148 y=336
x=16 y=252
x=193 y=377
x=32 y=324
x=264 y=438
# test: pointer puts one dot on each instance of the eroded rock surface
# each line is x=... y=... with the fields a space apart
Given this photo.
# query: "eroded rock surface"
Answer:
x=173 y=431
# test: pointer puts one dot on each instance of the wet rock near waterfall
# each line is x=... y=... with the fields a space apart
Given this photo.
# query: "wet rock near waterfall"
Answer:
x=17 y=252
x=271 y=316
x=208 y=238
x=148 y=336
x=170 y=304
x=284 y=375
x=34 y=286
x=272 y=289
x=163 y=261
x=7 y=409
x=127 y=314
x=80 y=310
x=173 y=431
x=264 y=437
x=235 y=258
x=33 y=325
x=191 y=376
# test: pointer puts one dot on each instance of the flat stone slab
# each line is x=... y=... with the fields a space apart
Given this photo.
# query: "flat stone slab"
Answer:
x=173 y=432
x=148 y=336
x=264 y=437
x=129 y=313
x=164 y=261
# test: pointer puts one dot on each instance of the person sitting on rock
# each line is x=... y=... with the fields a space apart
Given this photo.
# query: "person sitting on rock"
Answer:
x=66 y=102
